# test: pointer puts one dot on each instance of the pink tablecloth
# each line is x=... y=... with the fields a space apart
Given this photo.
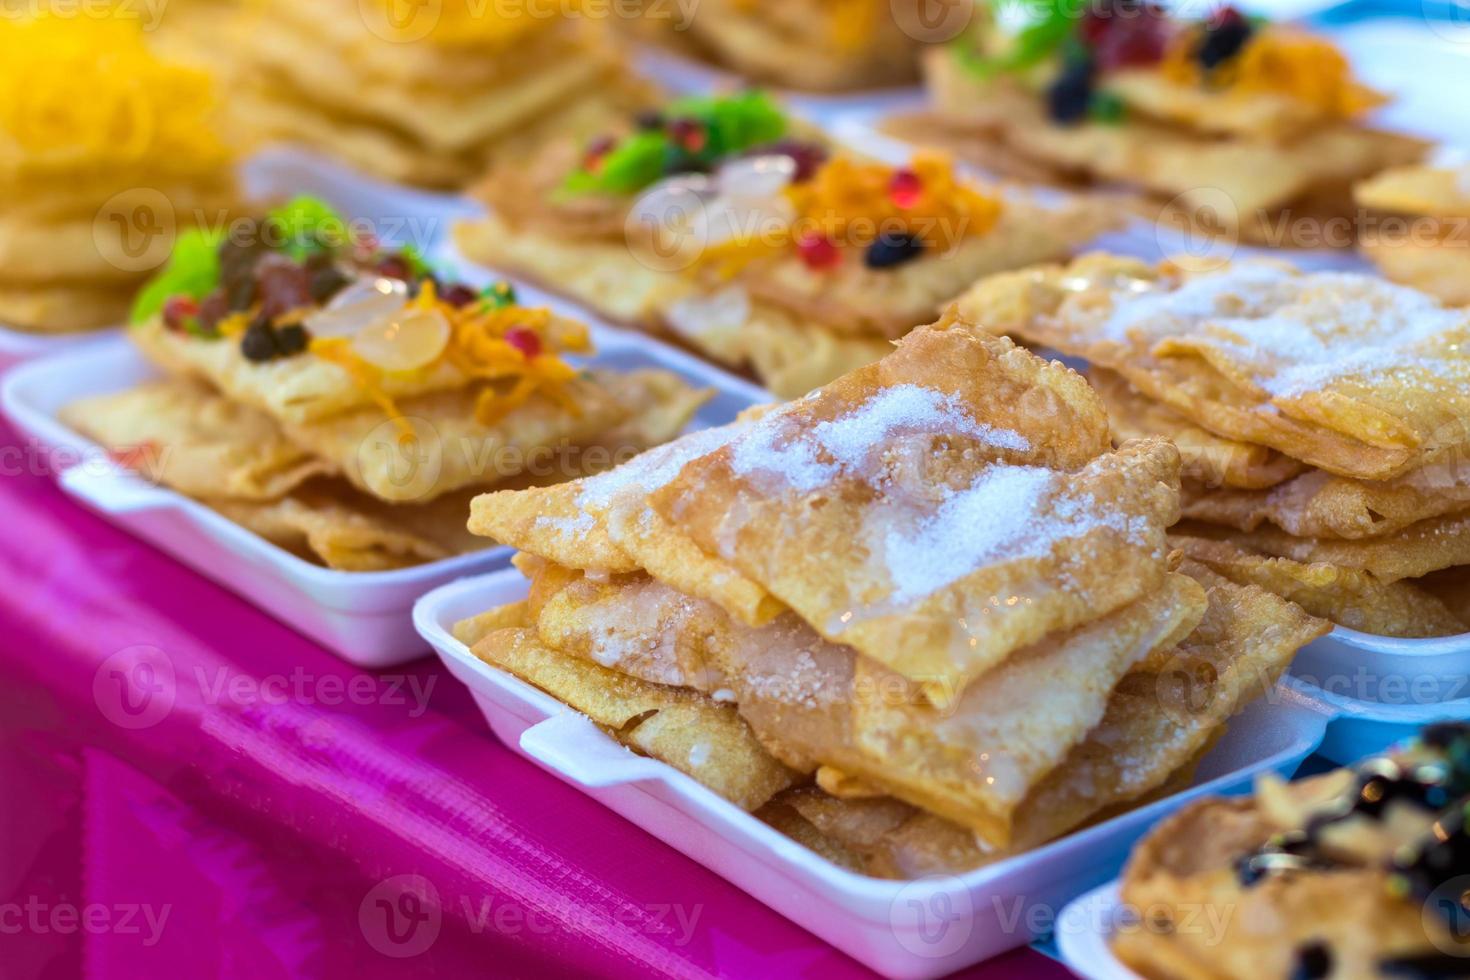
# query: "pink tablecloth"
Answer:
x=194 y=790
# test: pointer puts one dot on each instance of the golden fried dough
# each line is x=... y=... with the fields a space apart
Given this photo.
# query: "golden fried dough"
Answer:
x=893 y=456
x=1356 y=599
x=1205 y=458
x=182 y=434
x=1360 y=377
x=687 y=730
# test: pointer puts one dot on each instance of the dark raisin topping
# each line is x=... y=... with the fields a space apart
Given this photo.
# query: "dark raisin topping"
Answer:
x=212 y=309
x=893 y=249
x=1225 y=34
x=458 y=295
x=240 y=294
x=1443 y=857
x=1068 y=98
x=326 y=281
x=259 y=341
x=292 y=339
x=395 y=267
x=649 y=120
x=1313 y=961
x=284 y=286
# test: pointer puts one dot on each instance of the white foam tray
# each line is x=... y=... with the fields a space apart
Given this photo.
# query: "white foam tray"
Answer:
x=363 y=617
x=1085 y=931
x=404 y=215
x=924 y=928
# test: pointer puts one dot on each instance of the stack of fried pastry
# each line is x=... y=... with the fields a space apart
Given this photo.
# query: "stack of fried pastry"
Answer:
x=346 y=403
x=1321 y=417
x=722 y=222
x=1419 y=234
x=828 y=45
x=920 y=619
x=106 y=150
x=1230 y=123
x=1356 y=873
x=424 y=94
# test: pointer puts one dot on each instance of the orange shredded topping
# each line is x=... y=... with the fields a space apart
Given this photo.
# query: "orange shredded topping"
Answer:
x=479 y=350
x=1288 y=62
x=88 y=92
x=846 y=193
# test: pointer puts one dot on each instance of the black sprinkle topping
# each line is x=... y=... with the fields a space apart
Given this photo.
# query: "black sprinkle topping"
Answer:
x=1068 y=98
x=291 y=340
x=259 y=341
x=1223 y=41
x=1313 y=961
x=892 y=250
x=1426 y=966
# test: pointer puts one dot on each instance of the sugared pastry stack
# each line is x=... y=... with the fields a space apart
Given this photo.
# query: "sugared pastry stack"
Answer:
x=1420 y=232
x=106 y=151
x=1232 y=123
x=827 y=45
x=339 y=399
x=1356 y=873
x=1321 y=417
x=425 y=94
x=929 y=592
x=719 y=221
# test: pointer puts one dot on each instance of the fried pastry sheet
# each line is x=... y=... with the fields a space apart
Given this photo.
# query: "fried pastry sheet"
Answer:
x=182 y=434
x=1349 y=373
x=1205 y=458
x=452 y=449
x=685 y=729
x=330 y=522
x=1415 y=551
x=1440 y=268
x=1204 y=923
x=1165 y=710
x=1417 y=189
x=1356 y=599
x=938 y=462
x=603 y=524
x=804 y=44
x=1320 y=505
x=474 y=629
x=1167 y=154
x=63 y=307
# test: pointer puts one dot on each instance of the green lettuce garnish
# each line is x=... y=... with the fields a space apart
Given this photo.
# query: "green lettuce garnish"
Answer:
x=192 y=270
x=728 y=124
x=307 y=226
x=1050 y=24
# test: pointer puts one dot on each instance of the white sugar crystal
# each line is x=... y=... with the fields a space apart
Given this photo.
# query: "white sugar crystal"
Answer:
x=906 y=408
x=654 y=468
x=998 y=518
x=567 y=527
x=847 y=441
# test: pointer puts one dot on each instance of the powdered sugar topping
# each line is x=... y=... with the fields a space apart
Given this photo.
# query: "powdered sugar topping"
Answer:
x=845 y=443
x=1008 y=513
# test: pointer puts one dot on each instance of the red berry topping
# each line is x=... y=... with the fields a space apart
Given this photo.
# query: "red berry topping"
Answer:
x=808 y=157
x=688 y=134
x=817 y=251
x=597 y=152
x=395 y=267
x=178 y=311
x=524 y=340
x=905 y=188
